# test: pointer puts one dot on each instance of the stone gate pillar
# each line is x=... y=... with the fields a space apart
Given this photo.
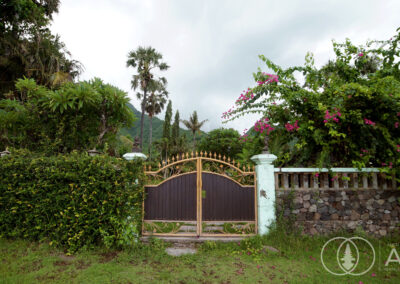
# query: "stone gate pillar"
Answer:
x=265 y=190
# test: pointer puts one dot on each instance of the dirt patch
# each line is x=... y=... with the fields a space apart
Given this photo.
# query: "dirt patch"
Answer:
x=34 y=266
x=61 y=269
x=108 y=256
x=81 y=264
x=61 y=263
x=45 y=278
x=67 y=258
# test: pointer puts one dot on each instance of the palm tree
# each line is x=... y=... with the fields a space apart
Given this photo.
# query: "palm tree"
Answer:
x=145 y=59
x=154 y=105
x=194 y=125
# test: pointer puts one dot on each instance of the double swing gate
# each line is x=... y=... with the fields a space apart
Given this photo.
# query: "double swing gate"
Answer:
x=200 y=194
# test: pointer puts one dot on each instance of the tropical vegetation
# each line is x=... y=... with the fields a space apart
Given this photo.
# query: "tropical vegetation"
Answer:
x=194 y=125
x=146 y=60
x=76 y=116
x=346 y=113
x=28 y=48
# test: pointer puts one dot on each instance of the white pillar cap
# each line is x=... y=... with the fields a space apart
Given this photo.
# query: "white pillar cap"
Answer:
x=264 y=159
x=131 y=156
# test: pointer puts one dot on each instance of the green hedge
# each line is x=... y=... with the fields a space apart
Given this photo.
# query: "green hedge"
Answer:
x=72 y=200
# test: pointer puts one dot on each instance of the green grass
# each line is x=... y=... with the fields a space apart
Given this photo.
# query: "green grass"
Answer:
x=298 y=261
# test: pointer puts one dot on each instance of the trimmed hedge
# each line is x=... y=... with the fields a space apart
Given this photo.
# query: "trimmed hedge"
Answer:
x=71 y=201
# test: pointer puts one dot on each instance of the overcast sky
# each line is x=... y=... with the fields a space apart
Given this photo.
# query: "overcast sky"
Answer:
x=212 y=47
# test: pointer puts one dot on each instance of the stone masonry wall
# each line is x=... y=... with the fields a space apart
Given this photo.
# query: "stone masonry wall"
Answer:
x=327 y=211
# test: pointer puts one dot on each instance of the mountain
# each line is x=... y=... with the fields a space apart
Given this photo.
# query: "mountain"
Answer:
x=157 y=127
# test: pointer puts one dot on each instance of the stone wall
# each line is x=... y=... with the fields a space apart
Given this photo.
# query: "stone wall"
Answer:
x=326 y=211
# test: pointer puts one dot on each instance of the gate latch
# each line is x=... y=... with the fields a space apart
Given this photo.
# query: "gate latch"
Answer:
x=203 y=193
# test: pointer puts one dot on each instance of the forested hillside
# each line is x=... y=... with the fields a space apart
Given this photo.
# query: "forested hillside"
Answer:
x=157 y=127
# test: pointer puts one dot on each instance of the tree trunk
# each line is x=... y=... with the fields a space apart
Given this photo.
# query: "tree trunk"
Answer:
x=142 y=118
x=150 y=135
x=194 y=141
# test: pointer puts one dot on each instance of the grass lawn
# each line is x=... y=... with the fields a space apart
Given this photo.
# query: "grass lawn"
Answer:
x=298 y=261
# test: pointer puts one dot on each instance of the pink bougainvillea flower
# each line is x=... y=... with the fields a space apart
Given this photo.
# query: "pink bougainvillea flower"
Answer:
x=373 y=274
x=396 y=125
x=317 y=175
x=369 y=122
x=361 y=54
x=334 y=115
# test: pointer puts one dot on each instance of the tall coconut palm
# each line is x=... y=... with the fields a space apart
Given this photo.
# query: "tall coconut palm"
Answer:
x=154 y=105
x=194 y=125
x=145 y=60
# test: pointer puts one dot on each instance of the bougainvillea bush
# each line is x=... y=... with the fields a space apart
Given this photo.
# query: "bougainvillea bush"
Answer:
x=345 y=113
x=72 y=200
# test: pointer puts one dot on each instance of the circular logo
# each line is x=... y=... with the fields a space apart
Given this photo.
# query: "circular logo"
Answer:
x=348 y=255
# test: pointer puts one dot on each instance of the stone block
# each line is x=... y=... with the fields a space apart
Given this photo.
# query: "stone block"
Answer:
x=354 y=216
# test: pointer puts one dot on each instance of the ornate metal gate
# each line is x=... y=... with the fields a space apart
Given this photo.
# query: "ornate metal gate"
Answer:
x=200 y=194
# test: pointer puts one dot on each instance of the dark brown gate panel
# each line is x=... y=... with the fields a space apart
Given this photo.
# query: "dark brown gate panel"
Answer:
x=225 y=200
x=174 y=199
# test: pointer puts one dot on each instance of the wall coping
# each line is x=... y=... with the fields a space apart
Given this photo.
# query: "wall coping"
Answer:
x=325 y=170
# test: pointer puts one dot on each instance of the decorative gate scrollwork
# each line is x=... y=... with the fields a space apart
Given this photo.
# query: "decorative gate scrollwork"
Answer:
x=200 y=194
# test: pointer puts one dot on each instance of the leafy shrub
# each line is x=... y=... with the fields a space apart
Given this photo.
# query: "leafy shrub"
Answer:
x=221 y=141
x=78 y=116
x=71 y=200
x=345 y=113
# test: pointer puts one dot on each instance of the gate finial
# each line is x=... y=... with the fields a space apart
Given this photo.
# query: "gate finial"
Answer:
x=265 y=149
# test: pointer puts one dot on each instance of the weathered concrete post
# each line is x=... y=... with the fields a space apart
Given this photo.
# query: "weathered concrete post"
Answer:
x=265 y=189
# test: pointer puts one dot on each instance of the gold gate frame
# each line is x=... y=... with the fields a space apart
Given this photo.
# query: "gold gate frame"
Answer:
x=246 y=172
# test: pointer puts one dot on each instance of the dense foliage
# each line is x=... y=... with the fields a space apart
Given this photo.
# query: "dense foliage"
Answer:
x=71 y=200
x=74 y=117
x=347 y=113
x=28 y=48
x=226 y=142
